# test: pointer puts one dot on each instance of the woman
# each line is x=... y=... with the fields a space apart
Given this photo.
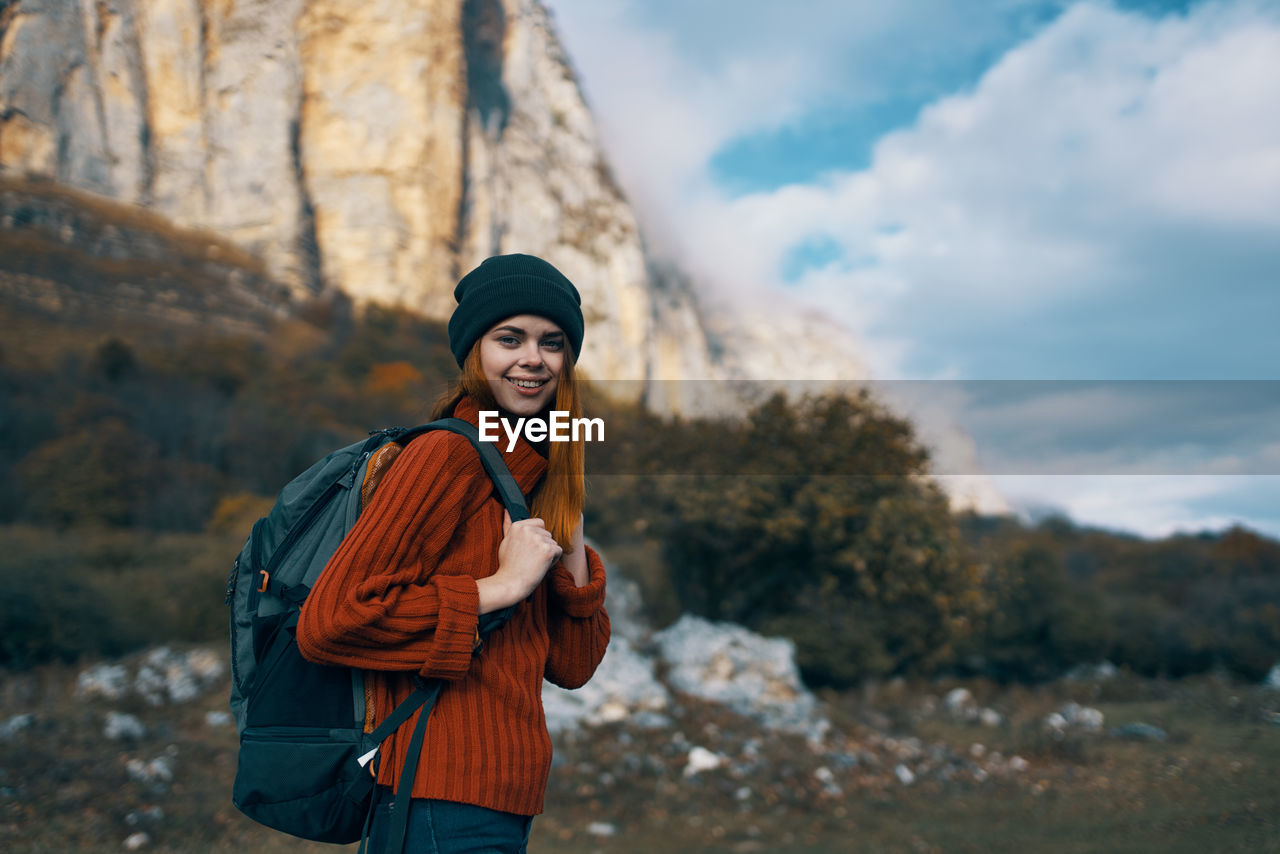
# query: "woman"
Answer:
x=434 y=549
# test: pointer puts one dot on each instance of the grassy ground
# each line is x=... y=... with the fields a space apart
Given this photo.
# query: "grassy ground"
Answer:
x=1210 y=786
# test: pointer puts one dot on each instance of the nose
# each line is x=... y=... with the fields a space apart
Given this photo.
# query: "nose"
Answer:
x=531 y=355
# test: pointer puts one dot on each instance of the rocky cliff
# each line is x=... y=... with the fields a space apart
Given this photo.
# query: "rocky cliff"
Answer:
x=379 y=148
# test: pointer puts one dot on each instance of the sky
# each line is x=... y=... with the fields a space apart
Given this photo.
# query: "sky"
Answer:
x=1056 y=222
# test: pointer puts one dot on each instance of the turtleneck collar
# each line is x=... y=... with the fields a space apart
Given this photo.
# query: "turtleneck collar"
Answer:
x=526 y=464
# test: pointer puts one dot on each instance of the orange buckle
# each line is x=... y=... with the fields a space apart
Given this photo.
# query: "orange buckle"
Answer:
x=265 y=579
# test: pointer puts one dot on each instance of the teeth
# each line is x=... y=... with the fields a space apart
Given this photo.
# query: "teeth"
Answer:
x=527 y=383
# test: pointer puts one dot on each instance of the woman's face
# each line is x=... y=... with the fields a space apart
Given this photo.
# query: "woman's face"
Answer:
x=521 y=358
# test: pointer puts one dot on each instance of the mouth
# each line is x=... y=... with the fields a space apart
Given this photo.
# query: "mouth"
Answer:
x=527 y=386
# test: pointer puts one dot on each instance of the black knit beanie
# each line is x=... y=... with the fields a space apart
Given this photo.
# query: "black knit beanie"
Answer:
x=507 y=285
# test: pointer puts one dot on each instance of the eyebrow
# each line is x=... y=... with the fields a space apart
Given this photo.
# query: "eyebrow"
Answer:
x=519 y=331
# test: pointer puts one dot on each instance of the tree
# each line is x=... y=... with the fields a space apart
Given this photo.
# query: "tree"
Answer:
x=832 y=536
x=1041 y=623
x=99 y=474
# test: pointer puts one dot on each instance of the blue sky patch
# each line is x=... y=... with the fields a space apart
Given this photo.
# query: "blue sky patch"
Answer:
x=802 y=151
x=814 y=254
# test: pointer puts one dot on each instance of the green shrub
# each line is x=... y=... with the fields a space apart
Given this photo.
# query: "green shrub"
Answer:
x=852 y=554
x=1040 y=623
x=103 y=592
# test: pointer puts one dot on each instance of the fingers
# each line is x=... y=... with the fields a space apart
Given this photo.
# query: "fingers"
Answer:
x=533 y=523
x=506 y=522
x=526 y=530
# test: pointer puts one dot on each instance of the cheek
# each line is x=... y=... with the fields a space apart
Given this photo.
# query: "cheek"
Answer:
x=492 y=364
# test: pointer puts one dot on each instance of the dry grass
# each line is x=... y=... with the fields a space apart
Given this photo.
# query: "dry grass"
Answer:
x=1209 y=787
x=187 y=244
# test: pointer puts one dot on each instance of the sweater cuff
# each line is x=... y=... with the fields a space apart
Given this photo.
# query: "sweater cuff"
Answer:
x=580 y=602
x=456 y=626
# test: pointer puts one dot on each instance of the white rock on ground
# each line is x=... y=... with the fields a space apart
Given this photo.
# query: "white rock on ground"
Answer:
x=137 y=840
x=108 y=681
x=120 y=725
x=959 y=702
x=755 y=676
x=176 y=676
x=151 y=772
x=700 y=759
x=217 y=719
x=1084 y=717
x=1075 y=716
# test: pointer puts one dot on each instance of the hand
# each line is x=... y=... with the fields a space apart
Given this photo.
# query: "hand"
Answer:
x=527 y=553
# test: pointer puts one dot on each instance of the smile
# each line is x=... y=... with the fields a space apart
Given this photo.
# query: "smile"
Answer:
x=526 y=384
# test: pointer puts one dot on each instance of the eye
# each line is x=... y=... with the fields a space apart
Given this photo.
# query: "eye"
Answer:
x=508 y=340
x=553 y=343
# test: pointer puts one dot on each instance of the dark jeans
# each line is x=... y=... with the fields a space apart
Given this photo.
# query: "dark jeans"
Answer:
x=443 y=827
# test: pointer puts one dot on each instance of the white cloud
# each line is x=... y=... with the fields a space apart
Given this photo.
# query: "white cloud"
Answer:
x=1110 y=155
x=1150 y=505
x=671 y=83
x=1114 y=171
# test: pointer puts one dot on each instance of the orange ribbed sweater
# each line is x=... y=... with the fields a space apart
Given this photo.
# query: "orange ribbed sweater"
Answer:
x=399 y=596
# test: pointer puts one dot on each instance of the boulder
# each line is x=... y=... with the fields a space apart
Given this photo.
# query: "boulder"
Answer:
x=753 y=675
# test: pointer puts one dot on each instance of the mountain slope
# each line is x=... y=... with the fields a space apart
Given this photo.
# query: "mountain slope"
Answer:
x=379 y=149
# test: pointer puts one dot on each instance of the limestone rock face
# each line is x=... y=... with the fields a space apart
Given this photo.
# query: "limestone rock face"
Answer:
x=379 y=148
x=187 y=107
x=382 y=149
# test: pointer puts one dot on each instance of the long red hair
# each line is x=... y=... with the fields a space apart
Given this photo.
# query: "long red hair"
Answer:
x=558 y=499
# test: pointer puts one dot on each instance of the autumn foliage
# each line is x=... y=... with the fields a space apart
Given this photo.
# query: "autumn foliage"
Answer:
x=136 y=459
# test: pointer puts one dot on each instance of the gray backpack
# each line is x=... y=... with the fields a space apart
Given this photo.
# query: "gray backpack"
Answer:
x=303 y=748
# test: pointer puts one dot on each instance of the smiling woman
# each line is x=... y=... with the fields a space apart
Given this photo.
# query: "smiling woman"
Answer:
x=434 y=550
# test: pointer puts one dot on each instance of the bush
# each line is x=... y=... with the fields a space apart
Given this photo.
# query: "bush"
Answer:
x=50 y=614
x=863 y=569
x=99 y=474
x=1040 y=622
x=106 y=592
x=1181 y=605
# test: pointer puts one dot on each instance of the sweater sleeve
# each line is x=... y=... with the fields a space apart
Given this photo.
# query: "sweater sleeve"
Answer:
x=379 y=605
x=578 y=624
